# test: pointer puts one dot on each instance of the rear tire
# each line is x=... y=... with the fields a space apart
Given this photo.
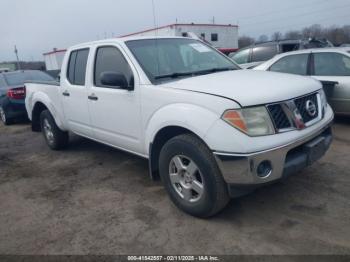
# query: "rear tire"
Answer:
x=4 y=118
x=191 y=176
x=55 y=138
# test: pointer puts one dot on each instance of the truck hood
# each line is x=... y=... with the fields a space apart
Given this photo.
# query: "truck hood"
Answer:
x=249 y=87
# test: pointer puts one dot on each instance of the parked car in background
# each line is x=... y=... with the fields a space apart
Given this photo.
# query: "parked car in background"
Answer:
x=210 y=130
x=325 y=64
x=256 y=54
x=13 y=92
x=4 y=70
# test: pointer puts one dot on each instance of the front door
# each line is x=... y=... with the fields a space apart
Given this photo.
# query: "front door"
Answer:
x=115 y=111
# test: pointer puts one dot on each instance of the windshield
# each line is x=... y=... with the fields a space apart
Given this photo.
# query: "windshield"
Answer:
x=18 y=78
x=169 y=58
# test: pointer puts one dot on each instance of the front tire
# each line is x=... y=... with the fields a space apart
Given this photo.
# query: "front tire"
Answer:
x=191 y=176
x=55 y=138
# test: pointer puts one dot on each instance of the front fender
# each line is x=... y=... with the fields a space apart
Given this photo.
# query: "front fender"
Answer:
x=195 y=118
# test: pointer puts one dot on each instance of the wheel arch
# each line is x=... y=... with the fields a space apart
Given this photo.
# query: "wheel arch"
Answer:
x=155 y=147
x=38 y=108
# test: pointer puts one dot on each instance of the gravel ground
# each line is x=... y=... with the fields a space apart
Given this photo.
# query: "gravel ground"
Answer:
x=92 y=199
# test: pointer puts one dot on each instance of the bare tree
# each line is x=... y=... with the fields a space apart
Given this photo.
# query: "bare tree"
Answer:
x=293 y=35
x=244 y=41
x=276 y=36
x=263 y=38
x=314 y=31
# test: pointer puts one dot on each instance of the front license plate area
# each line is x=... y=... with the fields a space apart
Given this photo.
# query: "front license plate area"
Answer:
x=316 y=149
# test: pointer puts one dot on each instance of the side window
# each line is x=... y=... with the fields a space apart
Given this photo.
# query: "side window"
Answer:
x=331 y=64
x=293 y=64
x=110 y=59
x=77 y=67
x=214 y=37
x=241 y=57
x=71 y=65
x=263 y=53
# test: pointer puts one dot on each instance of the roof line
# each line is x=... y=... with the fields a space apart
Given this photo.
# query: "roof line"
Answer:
x=171 y=25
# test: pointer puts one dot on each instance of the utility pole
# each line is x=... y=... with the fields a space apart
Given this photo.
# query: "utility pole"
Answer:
x=18 y=65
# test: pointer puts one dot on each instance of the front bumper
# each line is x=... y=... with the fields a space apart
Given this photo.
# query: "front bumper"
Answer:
x=243 y=169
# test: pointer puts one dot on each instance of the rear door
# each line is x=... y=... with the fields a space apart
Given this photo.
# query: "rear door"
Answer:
x=74 y=93
x=332 y=66
x=115 y=111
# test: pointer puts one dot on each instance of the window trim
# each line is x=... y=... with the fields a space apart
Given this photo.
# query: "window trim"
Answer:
x=94 y=68
x=70 y=54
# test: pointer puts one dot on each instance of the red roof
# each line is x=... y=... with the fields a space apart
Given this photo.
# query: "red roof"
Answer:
x=171 y=25
x=55 y=51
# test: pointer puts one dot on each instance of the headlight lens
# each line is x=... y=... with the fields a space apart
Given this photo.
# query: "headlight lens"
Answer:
x=254 y=121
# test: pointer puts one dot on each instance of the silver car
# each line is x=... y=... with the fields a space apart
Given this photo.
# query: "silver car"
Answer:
x=329 y=65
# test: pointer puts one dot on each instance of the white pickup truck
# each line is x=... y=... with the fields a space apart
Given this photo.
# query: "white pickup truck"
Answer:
x=209 y=130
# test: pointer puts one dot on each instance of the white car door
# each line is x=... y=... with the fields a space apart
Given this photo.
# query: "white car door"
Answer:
x=332 y=66
x=115 y=109
x=74 y=92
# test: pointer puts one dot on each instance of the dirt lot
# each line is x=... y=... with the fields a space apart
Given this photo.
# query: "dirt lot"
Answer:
x=92 y=199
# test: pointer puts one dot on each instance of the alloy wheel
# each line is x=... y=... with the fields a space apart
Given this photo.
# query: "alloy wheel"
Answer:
x=186 y=178
x=48 y=131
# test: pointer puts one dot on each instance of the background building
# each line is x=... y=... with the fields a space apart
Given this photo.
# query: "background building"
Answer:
x=223 y=37
x=53 y=60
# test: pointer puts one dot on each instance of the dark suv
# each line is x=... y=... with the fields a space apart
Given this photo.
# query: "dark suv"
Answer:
x=256 y=54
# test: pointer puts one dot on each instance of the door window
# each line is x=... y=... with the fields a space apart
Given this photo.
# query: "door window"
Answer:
x=331 y=64
x=110 y=59
x=293 y=64
x=242 y=57
x=263 y=52
x=77 y=67
x=214 y=37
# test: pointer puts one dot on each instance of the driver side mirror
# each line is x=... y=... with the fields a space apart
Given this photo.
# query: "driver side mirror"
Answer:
x=115 y=79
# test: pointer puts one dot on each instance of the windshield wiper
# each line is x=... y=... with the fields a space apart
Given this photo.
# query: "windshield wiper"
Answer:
x=174 y=75
x=213 y=70
x=200 y=72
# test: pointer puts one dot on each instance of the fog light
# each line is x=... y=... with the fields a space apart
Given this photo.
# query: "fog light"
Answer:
x=264 y=169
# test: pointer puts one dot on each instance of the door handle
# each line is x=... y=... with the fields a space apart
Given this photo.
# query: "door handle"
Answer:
x=65 y=93
x=93 y=97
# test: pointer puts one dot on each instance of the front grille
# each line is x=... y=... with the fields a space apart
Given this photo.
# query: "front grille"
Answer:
x=279 y=116
x=301 y=105
x=287 y=114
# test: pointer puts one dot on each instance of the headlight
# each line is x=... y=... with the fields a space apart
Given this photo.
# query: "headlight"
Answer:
x=323 y=99
x=254 y=121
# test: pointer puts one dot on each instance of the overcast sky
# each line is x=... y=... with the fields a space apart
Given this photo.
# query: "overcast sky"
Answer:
x=36 y=26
